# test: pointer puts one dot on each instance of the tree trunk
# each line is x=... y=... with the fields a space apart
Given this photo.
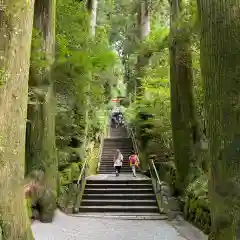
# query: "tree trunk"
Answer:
x=92 y=10
x=41 y=148
x=143 y=18
x=183 y=118
x=220 y=64
x=15 y=34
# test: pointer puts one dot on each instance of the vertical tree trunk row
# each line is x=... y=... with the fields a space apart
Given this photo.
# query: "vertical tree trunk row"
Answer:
x=220 y=64
x=143 y=22
x=92 y=10
x=184 y=123
x=40 y=144
x=15 y=32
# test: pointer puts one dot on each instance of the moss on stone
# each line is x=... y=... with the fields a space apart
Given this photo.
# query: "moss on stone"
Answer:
x=69 y=174
x=62 y=197
x=65 y=176
x=75 y=171
x=47 y=206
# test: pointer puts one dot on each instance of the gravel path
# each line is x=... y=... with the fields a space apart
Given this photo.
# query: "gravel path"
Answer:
x=76 y=228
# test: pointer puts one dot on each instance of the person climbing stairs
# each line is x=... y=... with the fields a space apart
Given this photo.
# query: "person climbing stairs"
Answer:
x=106 y=193
x=110 y=145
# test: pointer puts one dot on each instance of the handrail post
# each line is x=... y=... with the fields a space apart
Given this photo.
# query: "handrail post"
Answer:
x=100 y=150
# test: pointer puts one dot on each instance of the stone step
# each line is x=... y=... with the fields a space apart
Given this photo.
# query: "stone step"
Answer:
x=110 y=165
x=115 y=141
x=118 y=202
x=114 y=147
x=123 y=216
x=118 y=191
x=120 y=139
x=119 y=209
x=113 y=171
x=106 y=162
x=110 y=160
x=112 y=152
x=119 y=181
x=110 y=157
x=135 y=196
x=120 y=144
x=112 y=168
x=109 y=185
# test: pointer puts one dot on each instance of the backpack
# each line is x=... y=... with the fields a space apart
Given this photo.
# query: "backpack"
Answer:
x=133 y=159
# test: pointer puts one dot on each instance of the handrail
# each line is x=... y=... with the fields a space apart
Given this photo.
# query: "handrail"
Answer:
x=156 y=173
x=134 y=140
x=137 y=151
x=152 y=168
x=100 y=150
x=83 y=168
x=85 y=158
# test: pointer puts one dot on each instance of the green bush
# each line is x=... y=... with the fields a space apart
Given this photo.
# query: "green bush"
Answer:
x=196 y=204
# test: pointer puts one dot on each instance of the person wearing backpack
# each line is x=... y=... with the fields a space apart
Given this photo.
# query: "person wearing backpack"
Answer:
x=133 y=162
x=118 y=159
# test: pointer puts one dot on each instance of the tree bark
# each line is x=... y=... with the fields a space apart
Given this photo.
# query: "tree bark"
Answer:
x=41 y=148
x=183 y=118
x=220 y=64
x=15 y=34
x=143 y=18
x=92 y=6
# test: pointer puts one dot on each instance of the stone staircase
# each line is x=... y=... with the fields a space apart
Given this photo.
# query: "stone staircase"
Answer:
x=110 y=145
x=124 y=195
x=128 y=196
x=120 y=132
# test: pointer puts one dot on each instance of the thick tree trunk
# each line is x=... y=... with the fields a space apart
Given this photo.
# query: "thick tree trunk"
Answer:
x=183 y=118
x=92 y=6
x=41 y=148
x=220 y=64
x=15 y=34
x=144 y=30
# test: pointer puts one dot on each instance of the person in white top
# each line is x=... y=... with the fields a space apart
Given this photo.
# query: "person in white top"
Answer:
x=117 y=160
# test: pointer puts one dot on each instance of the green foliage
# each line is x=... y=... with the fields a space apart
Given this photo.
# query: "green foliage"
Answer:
x=78 y=55
x=157 y=41
x=69 y=174
x=196 y=203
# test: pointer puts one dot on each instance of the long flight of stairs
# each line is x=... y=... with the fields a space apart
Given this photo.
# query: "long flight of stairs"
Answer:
x=122 y=195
